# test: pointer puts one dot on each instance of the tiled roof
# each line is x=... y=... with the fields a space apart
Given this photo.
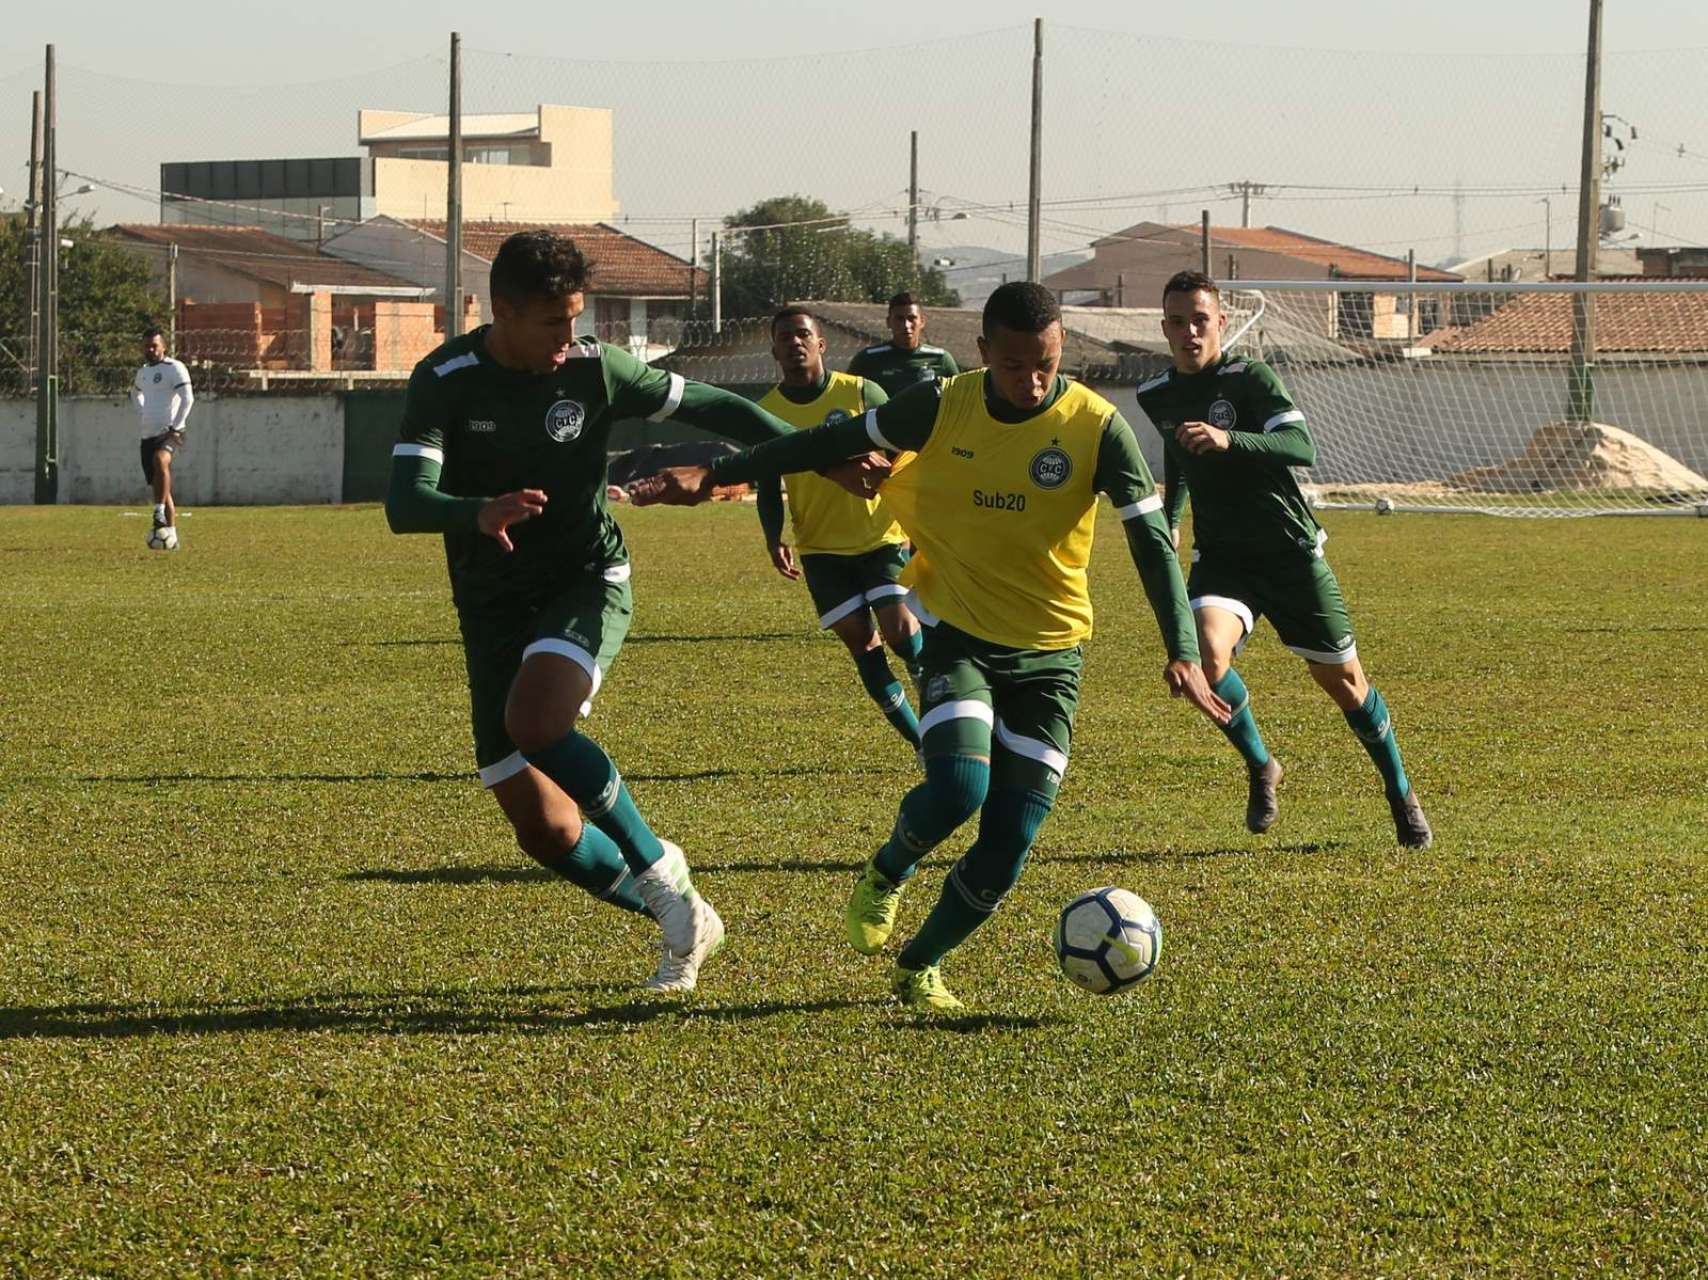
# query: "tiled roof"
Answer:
x=622 y=265
x=1624 y=322
x=956 y=328
x=258 y=254
x=1347 y=260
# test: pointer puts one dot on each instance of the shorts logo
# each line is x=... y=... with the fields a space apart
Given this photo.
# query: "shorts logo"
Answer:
x=937 y=689
x=1222 y=414
x=1051 y=468
x=564 y=420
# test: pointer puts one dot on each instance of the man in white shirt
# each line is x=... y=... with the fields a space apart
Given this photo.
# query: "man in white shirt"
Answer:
x=163 y=398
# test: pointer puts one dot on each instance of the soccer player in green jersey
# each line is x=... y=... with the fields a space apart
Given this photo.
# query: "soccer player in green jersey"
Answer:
x=1000 y=499
x=503 y=450
x=851 y=551
x=1230 y=434
x=905 y=359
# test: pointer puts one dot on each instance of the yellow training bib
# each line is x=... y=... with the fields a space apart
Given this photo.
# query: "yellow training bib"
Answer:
x=1001 y=516
x=827 y=519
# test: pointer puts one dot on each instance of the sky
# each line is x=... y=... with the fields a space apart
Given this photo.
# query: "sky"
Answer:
x=1149 y=110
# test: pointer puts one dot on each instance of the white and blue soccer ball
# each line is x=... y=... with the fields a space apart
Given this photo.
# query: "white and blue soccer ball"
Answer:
x=1107 y=940
x=163 y=538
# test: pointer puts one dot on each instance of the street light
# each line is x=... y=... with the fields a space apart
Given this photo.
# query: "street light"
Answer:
x=1548 y=237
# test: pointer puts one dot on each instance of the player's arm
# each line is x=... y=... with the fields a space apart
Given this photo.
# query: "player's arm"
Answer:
x=950 y=368
x=1285 y=437
x=414 y=502
x=1125 y=478
x=1173 y=491
x=136 y=395
x=183 y=397
x=641 y=391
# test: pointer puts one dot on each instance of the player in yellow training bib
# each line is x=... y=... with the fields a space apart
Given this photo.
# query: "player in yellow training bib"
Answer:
x=999 y=500
x=850 y=550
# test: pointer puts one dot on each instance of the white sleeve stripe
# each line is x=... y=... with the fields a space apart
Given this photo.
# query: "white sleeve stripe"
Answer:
x=1144 y=506
x=1283 y=418
x=672 y=402
x=426 y=451
x=876 y=436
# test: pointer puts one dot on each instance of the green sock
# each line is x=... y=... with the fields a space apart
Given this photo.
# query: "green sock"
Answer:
x=1375 y=729
x=586 y=774
x=908 y=651
x=976 y=886
x=886 y=691
x=952 y=792
x=1241 y=728
x=596 y=864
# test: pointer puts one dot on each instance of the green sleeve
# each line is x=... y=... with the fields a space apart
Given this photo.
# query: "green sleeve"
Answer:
x=950 y=368
x=871 y=394
x=1173 y=485
x=641 y=391
x=858 y=365
x=1284 y=436
x=413 y=502
x=770 y=496
x=902 y=423
x=1123 y=476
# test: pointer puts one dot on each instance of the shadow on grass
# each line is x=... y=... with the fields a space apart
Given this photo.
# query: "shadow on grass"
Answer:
x=390 y=1013
x=752 y=637
x=393 y=644
x=1301 y=850
x=155 y=779
x=973 y=1023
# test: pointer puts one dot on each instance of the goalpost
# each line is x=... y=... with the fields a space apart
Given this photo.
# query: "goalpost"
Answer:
x=1516 y=399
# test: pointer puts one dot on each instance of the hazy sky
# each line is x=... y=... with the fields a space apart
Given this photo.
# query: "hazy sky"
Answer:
x=1148 y=108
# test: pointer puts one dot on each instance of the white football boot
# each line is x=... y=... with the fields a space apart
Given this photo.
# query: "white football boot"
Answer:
x=692 y=929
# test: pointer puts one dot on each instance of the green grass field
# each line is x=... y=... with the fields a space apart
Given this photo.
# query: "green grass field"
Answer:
x=280 y=995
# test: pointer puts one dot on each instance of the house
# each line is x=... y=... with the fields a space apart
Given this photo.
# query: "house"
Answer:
x=251 y=300
x=640 y=296
x=1131 y=266
x=1674 y=260
x=1545 y=264
x=1633 y=325
x=553 y=163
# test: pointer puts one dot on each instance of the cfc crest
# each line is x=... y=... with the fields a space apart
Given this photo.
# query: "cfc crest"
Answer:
x=834 y=416
x=1050 y=468
x=564 y=420
x=1222 y=414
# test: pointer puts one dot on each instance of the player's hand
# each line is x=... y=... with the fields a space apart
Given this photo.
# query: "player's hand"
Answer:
x=1201 y=438
x=508 y=509
x=860 y=476
x=674 y=487
x=1186 y=680
x=783 y=557
x=616 y=493
x=1174 y=536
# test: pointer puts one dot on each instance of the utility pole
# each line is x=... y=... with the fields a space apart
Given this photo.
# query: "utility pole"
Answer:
x=717 y=282
x=1245 y=191
x=454 y=199
x=1034 y=264
x=913 y=198
x=47 y=250
x=1204 y=234
x=172 y=297
x=32 y=233
x=1547 y=237
x=693 y=265
x=1582 y=378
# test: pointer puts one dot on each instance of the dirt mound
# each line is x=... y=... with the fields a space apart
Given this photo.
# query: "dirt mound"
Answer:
x=1564 y=456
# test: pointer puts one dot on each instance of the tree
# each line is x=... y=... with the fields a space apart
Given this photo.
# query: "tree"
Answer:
x=106 y=299
x=806 y=251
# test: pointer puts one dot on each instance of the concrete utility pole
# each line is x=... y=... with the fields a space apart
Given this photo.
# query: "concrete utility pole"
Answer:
x=32 y=233
x=1547 y=237
x=1245 y=191
x=1034 y=201
x=1582 y=377
x=454 y=199
x=717 y=282
x=693 y=265
x=1204 y=234
x=172 y=297
x=47 y=250
x=913 y=197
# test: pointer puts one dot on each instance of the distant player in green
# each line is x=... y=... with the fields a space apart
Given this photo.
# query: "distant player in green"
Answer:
x=504 y=440
x=996 y=481
x=1230 y=434
x=905 y=359
x=851 y=551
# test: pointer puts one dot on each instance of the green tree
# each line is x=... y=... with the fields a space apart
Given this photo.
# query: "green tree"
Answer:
x=806 y=251
x=106 y=298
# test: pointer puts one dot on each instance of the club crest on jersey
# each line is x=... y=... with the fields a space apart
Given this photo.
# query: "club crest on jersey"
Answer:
x=834 y=416
x=564 y=420
x=1222 y=414
x=1051 y=468
x=158 y=376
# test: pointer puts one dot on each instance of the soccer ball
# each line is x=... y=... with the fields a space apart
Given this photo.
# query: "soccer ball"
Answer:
x=1107 y=940
x=163 y=538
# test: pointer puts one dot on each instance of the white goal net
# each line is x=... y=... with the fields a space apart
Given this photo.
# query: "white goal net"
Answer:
x=1475 y=398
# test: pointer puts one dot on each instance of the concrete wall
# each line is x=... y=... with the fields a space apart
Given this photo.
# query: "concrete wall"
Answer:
x=241 y=451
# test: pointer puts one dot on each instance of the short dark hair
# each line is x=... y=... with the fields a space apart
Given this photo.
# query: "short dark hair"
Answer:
x=906 y=298
x=1190 y=282
x=1022 y=306
x=786 y=312
x=153 y=331
x=538 y=265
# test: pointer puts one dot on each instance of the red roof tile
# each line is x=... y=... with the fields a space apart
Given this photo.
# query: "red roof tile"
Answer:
x=258 y=254
x=1624 y=322
x=1347 y=260
x=622 y=265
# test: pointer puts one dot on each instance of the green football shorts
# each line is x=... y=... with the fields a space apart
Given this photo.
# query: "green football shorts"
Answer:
x=1297 y=593
x=839 y=585
x=585 y=623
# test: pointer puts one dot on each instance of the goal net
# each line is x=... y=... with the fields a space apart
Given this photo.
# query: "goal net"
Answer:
x=1480 y=398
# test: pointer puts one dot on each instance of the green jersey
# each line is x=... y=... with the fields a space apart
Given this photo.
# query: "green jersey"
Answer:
x=473 y=429
x=1246 y=499
x=895 y=369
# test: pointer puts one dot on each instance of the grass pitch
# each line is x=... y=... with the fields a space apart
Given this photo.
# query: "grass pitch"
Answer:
x=281 y=997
